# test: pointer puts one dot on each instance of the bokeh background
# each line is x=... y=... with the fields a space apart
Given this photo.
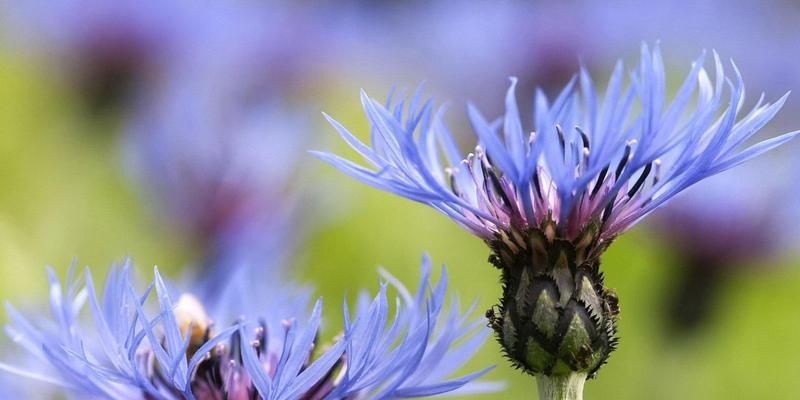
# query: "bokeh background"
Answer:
x=113 y=115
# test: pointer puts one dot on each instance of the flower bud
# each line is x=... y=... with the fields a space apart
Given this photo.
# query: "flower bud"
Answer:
x=555 y=316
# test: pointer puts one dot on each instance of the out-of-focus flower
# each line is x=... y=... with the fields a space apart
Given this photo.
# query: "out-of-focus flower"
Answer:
x=220 y=167
x=107 y=47
x=451 y=42
x=218 y=158
x=720 y=228
x=549 y=203
x=11 y=388
x=217 y=143
x=116 y=50
x=685 y=25
x=179 y=352
x=714 y=223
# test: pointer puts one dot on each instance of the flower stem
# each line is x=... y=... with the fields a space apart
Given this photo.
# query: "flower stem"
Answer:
x=568 y=387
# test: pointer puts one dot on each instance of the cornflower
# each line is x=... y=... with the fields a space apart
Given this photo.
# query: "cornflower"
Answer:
x=549 y=203
x=125 y=351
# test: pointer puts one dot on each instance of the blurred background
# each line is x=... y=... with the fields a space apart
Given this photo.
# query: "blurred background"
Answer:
x=176 y=134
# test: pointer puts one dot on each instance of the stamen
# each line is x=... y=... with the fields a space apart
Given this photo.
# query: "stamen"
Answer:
x=452 y=178
x=584 y=137
x=236 y=348
x=585 y=158
x=657 y=174
x=607 y=211
x=264 y=336
x=640 y=181
x=537 y=185
x=497 y=186
x=561 y=140
x=625 y=158
x=599 y=183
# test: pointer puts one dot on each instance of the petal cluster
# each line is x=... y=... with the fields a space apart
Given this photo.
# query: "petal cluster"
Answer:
x=156 y=344
x=586 y=158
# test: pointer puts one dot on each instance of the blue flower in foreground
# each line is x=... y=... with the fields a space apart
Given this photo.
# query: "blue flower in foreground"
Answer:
x=179 y=352
x=548 y=203
x=585 y=160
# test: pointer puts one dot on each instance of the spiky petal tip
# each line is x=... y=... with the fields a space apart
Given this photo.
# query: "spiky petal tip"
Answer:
x=180 y=353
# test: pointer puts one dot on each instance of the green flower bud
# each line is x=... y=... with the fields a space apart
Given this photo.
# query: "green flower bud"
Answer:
x=555 y=317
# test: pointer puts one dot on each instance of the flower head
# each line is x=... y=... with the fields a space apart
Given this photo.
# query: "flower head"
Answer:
x=588 y=160
x=218 y=167
x=548 y=203
x=179 y=352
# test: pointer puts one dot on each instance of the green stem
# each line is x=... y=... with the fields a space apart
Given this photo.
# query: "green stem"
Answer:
x=568 y=387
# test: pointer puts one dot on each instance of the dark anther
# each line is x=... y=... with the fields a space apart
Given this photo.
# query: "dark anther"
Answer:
x=236 y=347
x=561 y=139
x=453 y=186
x=600 y=179
x=584 y=137
x=537 y=186
x=498 y=188
x=640 y=181
x=607 y=210
x=264 y=339
x=624 y=161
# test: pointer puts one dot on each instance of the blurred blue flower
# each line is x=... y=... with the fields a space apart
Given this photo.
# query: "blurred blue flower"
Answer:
x=587 y=160
x=216 y=144
x=115 y=51
x=451 y=42
x=688 y=25
x=180 y=352
x=725 y=226
x=714 y=223
x=220 y=166
x=106 y=48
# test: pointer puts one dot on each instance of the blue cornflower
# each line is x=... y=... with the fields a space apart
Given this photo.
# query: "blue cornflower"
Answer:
x=116 y=51
x=217 y=143
x=220 y=168
x=220 y=163
x=585 y=160
x=179 y=352
x=549 y=203
x=106 y=48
